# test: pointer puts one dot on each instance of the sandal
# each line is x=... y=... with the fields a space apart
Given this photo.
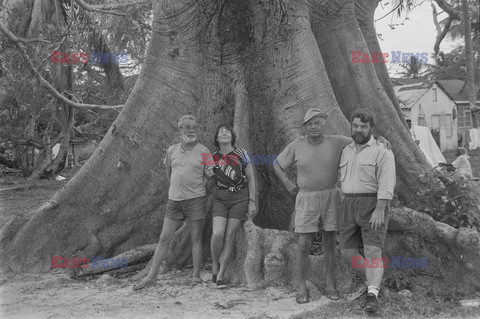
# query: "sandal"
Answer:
x=143 y=285
x=195 y=281
x=302 y=298
x=332 y=294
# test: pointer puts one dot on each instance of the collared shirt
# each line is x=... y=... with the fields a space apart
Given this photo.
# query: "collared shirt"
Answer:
x=368 y=170
x=317 y=165
x=189 y=171
x=463 y=165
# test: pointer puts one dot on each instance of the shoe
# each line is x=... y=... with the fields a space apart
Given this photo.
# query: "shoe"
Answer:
x=371 y=303
x=143 y=285
x=214 y=278
x=302 y=298
x=221 y=284
x=332 y=294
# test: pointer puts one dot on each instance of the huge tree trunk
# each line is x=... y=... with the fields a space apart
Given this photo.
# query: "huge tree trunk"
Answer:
x=470 y=84
x=255 y=64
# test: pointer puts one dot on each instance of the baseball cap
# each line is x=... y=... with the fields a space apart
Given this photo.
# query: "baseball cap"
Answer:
x=313 y=113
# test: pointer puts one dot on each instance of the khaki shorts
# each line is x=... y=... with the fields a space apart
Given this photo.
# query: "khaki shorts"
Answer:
x=191 y=209
x=316 y=207
x=355 y=229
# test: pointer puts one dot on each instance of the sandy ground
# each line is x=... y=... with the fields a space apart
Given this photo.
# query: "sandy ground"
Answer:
x=54 y=295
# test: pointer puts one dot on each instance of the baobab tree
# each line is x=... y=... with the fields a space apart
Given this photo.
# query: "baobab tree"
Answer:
x=258 y=65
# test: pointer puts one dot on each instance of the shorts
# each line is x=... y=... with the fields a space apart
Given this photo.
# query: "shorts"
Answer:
x=191 y=209
x=314 y=207
x=231 y=205
x=355 y=229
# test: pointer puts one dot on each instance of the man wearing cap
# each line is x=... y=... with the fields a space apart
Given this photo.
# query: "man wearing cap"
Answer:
x=187 y=175
x=367 y=175
x=412 y=130
x=316 y=157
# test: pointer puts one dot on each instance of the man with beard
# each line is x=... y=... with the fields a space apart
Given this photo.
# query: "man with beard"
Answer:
x=316 y=157
x=367 y=175
x=186 y=173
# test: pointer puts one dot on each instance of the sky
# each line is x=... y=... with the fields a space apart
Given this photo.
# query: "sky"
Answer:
x=416 y=34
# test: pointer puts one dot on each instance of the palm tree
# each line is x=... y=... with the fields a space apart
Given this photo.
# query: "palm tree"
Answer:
x=412 y=68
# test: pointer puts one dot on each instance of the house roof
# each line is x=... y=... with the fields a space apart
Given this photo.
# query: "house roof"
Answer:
x=458 y=90
x=408 y=95
x=400 y=81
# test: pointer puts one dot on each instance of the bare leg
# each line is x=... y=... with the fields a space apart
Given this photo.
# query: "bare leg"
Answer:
x=328 y=238
x=161 y=251
x=216 y=244
x=303 y=261
x=233 y=225
x=197 y=246
x=374 y=274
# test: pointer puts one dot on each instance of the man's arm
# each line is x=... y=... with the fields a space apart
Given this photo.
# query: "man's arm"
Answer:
x=208 y=170
x=386 y=183
x=168 y=165
x=169 y=173
x=210 y=184
x=289 y=184
x=284 y=160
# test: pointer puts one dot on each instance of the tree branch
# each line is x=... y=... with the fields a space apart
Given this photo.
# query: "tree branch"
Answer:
x=42 y=80
x=107 y=8
x=435 y=19
x=450 y=10
x=441 y=35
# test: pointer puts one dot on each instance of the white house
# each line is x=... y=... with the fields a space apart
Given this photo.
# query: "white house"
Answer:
x=427 y=104
x=468 y=119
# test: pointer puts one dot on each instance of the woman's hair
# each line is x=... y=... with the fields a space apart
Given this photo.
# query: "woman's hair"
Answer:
x=228 y=127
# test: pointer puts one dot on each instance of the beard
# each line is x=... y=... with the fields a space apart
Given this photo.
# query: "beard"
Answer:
x=359 y=138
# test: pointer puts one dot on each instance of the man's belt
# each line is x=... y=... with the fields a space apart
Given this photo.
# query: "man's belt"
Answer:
x=361 y=195
x=316 y=189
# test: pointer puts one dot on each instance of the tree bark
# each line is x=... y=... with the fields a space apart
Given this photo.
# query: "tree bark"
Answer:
x=254 y=64
x=470 y=84
x=356 y=85
x=364 y=12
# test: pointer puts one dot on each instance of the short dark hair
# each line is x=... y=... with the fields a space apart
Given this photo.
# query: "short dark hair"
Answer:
x=228 y=127
x=364 y=115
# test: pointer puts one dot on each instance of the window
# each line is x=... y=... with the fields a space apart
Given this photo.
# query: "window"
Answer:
x=464 y=116
x=434 y=95
x=421 y=117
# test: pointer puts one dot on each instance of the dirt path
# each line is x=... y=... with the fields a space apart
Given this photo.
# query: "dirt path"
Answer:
x=57 y=296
